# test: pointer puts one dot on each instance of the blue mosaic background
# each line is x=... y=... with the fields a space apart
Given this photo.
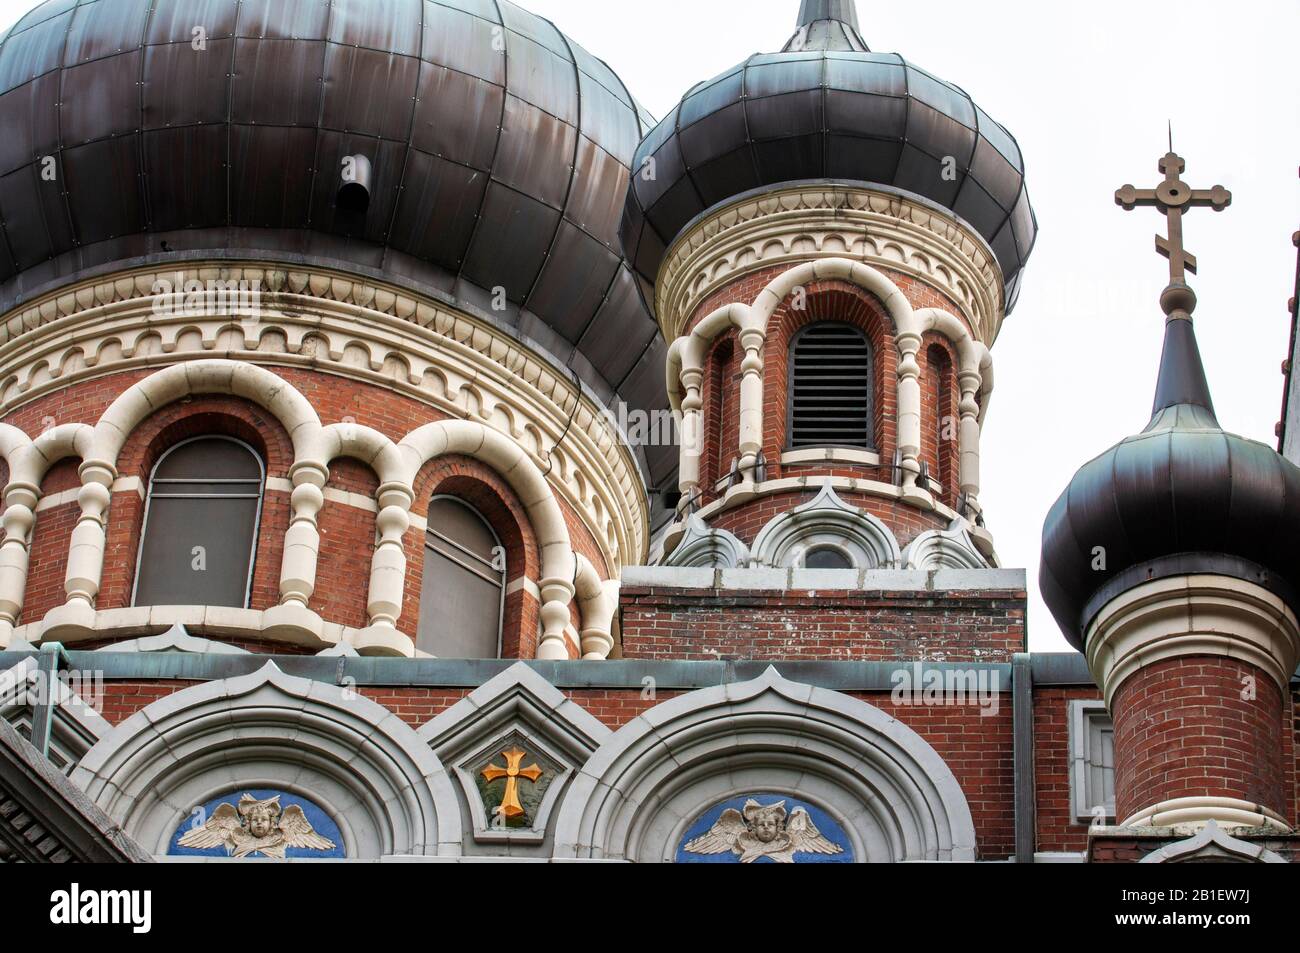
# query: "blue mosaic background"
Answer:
x=828 y=827
x=321 y=821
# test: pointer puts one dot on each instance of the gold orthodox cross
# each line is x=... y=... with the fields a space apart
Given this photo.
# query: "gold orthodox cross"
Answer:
x=1173 y=197
x=510 y=806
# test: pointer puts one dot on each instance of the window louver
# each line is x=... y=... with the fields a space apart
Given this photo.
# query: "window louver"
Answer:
x=830 y=387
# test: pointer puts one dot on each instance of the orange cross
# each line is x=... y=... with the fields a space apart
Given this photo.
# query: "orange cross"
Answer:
x=510 y=805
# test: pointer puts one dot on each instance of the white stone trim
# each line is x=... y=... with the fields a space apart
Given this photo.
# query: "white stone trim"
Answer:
x=332 y=323
x=521 y=702
x=315 y=447
x=703 y=547
x=1209 y=615
x=685 y=371
x=827 y=580
x=1197 y=812
x=175 y=639
x=952 y=548
x=895 y=797
x=526 y=584
x=366 y=767
x=830 y=455
x=745 y=493
x=805 y=222
x=1213 y=845
x=826 y=521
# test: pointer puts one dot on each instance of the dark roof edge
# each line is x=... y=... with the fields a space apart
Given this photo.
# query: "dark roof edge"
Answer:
x=60 y=807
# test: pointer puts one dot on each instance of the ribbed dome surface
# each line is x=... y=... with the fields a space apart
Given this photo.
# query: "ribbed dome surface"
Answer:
x=1181 y=497
x=827 y=108
x=500 y=151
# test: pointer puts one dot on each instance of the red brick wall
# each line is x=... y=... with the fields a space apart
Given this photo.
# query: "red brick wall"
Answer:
x=828 y=301
x=661 y=623
x=1183 y=729
x=1058 y=830
x=347 y=533
x=976 y=748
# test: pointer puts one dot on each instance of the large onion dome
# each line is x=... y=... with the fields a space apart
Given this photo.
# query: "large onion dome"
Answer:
x=499 y=153
x=1181 y=497
x=826 y=107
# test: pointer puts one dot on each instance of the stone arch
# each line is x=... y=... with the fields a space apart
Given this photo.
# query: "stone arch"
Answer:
x=365 y=767
x=952 y=548
x=271 y=392
x=829 y=302
x=496 y=502
x=892 y=793
x=827 y=521
x=495 y=450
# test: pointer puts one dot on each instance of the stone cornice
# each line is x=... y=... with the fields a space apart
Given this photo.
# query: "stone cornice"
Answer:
x=357 y=329
x=1215 y=616
x=806 y=222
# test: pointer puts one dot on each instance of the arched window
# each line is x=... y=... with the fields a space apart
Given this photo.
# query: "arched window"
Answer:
x=462 y=594
x=200 y=525
x=830 y=387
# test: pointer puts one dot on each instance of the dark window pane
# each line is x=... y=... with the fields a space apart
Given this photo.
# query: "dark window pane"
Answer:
x=826 y=558
x=463 y=584
x=200 y=526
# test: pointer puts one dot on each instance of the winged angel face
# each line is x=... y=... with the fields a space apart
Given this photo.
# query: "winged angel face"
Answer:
x=256 y=827
x=763 y=831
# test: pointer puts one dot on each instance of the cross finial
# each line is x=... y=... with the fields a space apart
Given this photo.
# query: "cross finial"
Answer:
x=1173 y=197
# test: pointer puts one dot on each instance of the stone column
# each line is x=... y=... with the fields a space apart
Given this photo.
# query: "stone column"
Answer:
x=302 y=539
x=556 y=596
x=388 y=565
x=969 y=438
x=1196 y=672
x=909 y=411
x=688 y=481
x=19 y=518
x=751 y=400
x=76 y=617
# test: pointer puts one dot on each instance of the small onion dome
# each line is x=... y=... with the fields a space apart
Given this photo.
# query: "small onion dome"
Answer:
x=827 y=108
x=1181 y=497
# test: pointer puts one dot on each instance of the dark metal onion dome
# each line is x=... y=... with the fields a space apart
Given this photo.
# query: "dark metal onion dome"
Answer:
x=826 y=107
x=499 y=154
x=1181 y=497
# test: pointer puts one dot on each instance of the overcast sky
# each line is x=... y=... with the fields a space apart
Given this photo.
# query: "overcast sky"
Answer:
x=1086 y=88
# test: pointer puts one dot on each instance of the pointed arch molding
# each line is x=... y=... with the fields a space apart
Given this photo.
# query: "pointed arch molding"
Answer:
x=703 y=547
x=892 y=793
x=827 y=521
x=952 y=548
x=315 y=447
x=361 y=763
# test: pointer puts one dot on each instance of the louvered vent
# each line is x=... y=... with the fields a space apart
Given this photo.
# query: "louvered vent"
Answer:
x=830 y=387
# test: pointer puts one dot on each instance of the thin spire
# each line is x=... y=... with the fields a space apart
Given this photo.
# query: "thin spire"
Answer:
x=810 y=11
x=827 y=25
x=1182 y=380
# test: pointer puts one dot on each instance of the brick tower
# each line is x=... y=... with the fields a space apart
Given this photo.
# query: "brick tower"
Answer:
x=834 y=242
x=1168 y=561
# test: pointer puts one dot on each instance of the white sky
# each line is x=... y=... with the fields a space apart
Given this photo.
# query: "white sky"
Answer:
x=1084 y=88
